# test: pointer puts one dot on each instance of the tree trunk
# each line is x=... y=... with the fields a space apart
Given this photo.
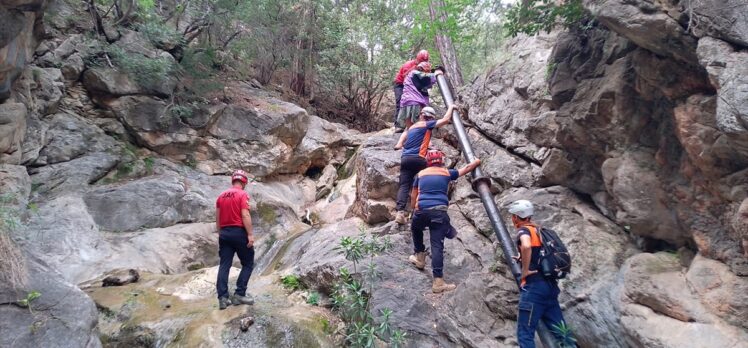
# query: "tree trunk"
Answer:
x=444 y=44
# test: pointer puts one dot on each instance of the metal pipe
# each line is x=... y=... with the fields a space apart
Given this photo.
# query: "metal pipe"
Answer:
x=482 y=185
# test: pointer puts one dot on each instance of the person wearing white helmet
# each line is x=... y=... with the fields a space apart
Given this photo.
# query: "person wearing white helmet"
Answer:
x=415 y=143
x=538 y=298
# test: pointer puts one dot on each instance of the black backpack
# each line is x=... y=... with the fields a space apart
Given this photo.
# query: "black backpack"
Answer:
x=555 y=260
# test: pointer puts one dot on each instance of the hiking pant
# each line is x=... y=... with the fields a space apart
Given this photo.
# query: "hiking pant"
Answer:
x=409 y=167
x=398 y=89
x=438 y=223
x=538 y=301
x=233 y=240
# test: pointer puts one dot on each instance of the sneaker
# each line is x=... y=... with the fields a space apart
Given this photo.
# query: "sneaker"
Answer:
x=400 y=217
x=223 y=303
x=239 y=300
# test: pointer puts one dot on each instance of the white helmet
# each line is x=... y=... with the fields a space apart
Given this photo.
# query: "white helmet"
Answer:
x=429 y=111
x=522 y=208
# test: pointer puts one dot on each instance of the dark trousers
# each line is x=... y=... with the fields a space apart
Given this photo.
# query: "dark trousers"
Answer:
x=538 y=301
x=438 y=223
x=409 y=167
x=233 y=240
x=398 y=89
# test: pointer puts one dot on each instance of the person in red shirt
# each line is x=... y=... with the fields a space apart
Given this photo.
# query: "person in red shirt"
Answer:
x=234 y=226
x=422 y=56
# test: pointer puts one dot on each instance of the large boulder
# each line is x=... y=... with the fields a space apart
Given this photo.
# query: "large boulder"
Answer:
x=729 y=74
x=640 y=198
x=724 y=19
x=651 y=25
x=659 y=300
x=62 y=315
x=108 y=81
x=377 y=172
x=162 y=201
x=70 y=136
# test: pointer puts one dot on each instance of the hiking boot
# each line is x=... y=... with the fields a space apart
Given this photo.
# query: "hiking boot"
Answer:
x=440 y=286
x=224 y=303
x=400 y=217
x=418 y=260
x=238 y=300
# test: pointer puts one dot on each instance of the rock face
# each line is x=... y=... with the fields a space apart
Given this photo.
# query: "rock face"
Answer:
x=19 y=35
x=62 y=315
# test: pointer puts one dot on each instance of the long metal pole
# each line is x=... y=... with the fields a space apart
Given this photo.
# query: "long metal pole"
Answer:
x=482 y=185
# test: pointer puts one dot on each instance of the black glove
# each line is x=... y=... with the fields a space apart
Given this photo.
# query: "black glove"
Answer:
x=439 y=67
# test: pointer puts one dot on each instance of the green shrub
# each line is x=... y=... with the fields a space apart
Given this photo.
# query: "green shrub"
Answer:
x=535 y=15
x=292 y=282
x=145 y=71
x=313 y=298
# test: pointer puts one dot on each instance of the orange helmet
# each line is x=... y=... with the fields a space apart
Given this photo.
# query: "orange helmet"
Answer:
x=240 y=175
x=434 y=158
x=422 y=56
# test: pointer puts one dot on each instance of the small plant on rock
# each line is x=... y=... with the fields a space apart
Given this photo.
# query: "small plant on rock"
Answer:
x=292 y=282
x=313 y=298
x=564 y=332
x=351 y=295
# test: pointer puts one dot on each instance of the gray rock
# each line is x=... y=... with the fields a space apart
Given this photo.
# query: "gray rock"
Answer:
x=34 y=140
x=69 y=137
x=721 y=19
x=73 y=67
x=15 y=186
x=640 y=198
x=71 y=176
x=18 y=40
x=647 y=24
x=728 y=72
x=120 y=277
x=41 y=89
x=326 y=181
x=108 y=81
x=377 y=172
x=163 y=201
x=12 y=131
x=659 y=299
x=61 y=316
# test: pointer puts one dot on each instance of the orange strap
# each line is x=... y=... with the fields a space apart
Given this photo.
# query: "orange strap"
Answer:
x=535 y=240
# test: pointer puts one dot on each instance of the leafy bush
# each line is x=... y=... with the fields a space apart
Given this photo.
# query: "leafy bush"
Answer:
x=144 y=70
x=313 y=298
x=160 y=34
x=536 y=15
x=350 y=296
x=292 y=282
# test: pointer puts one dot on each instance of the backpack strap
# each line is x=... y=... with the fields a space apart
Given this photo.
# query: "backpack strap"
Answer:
x=535 y=239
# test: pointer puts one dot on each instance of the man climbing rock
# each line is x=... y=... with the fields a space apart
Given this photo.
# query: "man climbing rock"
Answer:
x=415 y=142
x=422 y=56
x=538 y=298
x=431 y=202
x=235 y=237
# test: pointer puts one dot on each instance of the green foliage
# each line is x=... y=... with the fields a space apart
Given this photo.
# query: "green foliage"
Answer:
x=160 y=33
x=565 y=333
x=536 y=15
x=350 y=296
x=313 y=298
x=292 y=282
x=145 y=71
x=148 y=163
x=30 y=297
x=182 y=111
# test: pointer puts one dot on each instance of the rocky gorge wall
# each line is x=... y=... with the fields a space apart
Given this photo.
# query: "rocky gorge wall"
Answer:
x=630 y=138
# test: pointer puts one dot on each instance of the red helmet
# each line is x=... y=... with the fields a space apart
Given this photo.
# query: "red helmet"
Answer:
x=422 y=56
x=240 y=175
x=424 y=66
x=434 y=158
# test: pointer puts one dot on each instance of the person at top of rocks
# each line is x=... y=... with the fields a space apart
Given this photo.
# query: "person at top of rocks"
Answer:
x=422 y=56
x=430 y=202
x=415 y=93
x=415 y=142
x=538 y=298
x=234 y=225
